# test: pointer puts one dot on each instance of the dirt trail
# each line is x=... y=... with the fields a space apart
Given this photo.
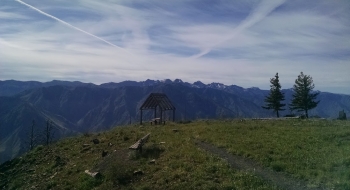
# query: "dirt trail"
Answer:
x=280 y=179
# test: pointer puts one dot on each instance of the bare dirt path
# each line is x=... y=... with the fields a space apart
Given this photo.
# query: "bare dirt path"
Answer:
x=282 y=180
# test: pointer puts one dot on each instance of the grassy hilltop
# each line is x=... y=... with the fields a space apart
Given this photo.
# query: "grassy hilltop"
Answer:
x=314 y=152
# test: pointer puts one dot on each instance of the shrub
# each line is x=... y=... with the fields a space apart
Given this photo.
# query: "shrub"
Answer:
x=88 y=182
x=278 y=167
x=120 y=173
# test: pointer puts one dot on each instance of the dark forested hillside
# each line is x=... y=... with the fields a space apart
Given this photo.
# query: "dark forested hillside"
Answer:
x=77 y=107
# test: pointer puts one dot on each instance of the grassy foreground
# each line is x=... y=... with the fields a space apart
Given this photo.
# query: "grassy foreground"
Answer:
x=315 y=151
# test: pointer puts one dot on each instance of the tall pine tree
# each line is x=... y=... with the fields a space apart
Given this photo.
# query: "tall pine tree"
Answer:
x=273 y=100
x=303 y=97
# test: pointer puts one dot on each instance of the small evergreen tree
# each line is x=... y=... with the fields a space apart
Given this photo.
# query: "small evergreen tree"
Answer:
x=303 y=97
x=273 y=100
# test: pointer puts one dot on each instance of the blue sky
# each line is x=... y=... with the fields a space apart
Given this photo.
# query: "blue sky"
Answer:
x=242 y=42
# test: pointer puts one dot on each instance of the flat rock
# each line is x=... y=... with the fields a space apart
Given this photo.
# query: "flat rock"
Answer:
x=138 y=172
x=92 y=174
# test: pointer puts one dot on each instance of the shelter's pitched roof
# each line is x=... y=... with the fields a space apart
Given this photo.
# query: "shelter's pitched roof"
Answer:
x=157 y=99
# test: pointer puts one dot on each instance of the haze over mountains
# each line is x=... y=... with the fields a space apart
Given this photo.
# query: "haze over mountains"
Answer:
x=77 y=107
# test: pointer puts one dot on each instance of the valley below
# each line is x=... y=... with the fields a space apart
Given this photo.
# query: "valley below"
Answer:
x=78 y=108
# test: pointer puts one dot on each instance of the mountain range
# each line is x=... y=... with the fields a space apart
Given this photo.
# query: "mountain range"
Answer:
x=78 y=108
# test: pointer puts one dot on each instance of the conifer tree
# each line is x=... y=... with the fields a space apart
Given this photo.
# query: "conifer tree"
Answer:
x=303 y=97
x=273 y=100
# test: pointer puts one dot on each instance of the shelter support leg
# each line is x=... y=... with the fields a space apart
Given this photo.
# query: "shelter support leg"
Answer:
x=141 y=118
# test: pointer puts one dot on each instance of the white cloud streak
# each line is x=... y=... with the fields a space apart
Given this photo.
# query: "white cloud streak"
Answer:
x=67 y=24
x=259 y=13
x=247 y=46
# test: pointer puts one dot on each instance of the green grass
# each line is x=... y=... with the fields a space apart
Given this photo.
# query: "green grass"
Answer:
x=317 y=151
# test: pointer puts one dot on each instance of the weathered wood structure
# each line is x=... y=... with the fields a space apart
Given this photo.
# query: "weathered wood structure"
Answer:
x=158 y=100
x=138 y=145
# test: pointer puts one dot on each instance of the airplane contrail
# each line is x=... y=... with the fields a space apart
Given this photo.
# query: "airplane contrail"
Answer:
x=66 y=23
x=258 y=14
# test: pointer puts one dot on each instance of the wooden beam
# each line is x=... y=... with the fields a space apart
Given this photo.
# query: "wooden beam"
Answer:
x=141 y=118
x=161 y=116
x=155 y=112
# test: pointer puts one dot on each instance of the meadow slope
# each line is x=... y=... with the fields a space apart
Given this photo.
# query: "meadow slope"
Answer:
x=315 y=152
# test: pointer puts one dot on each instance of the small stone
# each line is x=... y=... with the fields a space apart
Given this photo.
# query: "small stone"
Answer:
x=110 y=144
x=152 y=161
x=85 y=149
x=138 y=172
x=162 y=143
x=92 y=174
x=53 y=175
x=104 y=153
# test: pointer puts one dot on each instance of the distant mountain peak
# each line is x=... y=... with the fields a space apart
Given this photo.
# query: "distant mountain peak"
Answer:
x=178 y=81
x=199 y=84
x=217 y=85
x=166 y=81
x=254 y=88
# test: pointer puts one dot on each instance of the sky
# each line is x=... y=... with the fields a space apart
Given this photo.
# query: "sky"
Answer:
x=241 y=42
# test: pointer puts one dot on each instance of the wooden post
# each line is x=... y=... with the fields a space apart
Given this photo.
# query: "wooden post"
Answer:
x=161 y=116
x=155 y=112
x=141 y=118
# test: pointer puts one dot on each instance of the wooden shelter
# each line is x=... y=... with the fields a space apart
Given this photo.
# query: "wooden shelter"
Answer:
x=158 y=100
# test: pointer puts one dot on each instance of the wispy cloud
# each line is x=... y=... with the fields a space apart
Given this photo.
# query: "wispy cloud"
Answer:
x=65 y=23
x=264 y=8
x=233 y=42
